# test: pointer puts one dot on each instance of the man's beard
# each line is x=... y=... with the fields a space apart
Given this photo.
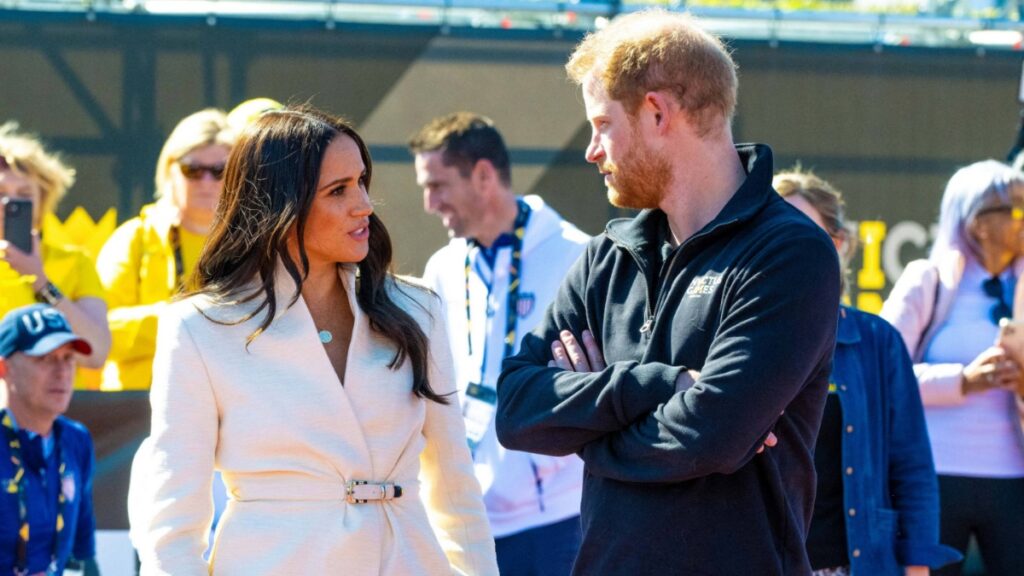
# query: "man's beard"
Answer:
x=641 y=179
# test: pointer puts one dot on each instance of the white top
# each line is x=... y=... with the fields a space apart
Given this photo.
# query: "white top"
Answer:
x=515 y=500
x=978 y=437
x=285 y=433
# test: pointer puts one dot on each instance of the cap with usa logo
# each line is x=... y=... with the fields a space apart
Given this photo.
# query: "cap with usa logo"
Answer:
x=37 y=330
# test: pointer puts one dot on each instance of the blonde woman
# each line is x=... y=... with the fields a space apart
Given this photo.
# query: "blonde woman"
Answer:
x=885 y=469
x=62 y=276
x=144 y=262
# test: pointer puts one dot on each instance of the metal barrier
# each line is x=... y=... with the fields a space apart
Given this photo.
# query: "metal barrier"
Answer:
x=987 y=24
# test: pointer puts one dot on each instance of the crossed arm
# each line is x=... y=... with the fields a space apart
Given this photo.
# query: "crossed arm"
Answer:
x=656 y=422
x=568 y=354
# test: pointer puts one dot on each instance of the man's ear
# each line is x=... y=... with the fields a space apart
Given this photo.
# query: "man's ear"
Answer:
x=484 y=174
x=660 y=107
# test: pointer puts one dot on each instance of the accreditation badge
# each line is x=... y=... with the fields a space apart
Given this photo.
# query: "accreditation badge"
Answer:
x=67 y=487
x=478 y=412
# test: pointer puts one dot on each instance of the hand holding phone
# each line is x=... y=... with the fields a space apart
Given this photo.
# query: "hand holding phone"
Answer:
x=18 y=223
x=1011 y=337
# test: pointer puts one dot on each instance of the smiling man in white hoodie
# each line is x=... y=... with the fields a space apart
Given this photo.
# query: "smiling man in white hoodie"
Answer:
x=497 y=275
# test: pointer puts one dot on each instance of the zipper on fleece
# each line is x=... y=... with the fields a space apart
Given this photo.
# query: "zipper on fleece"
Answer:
x=655 y=292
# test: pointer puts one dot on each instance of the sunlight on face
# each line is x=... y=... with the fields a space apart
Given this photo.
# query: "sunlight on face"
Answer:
x=338 y=225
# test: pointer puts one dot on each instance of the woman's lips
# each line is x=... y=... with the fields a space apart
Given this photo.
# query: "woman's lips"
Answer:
x=362 y=233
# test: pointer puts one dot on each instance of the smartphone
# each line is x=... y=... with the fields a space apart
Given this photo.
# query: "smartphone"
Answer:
x=1011 y=338
x=18 y=222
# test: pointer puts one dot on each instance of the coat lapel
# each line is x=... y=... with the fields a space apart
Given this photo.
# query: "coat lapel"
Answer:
x=294 y=337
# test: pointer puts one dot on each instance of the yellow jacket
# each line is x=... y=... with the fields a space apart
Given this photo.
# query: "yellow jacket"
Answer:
x=72 y=272
x=68 y=267
x=136 y=266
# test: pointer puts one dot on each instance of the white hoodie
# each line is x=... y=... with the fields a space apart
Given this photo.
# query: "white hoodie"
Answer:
x=521 y=490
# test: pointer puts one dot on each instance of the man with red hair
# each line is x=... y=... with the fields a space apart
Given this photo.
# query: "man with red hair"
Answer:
x=687 y=338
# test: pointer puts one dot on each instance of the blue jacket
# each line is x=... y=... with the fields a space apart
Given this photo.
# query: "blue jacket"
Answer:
x=889 y=487
x=78 y=536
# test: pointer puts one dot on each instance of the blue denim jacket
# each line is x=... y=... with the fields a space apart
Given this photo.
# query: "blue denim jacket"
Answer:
x=889 y=486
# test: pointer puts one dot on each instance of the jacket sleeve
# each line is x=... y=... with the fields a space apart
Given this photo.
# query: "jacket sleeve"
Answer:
x=772 y=341
x=85 y=532
x=550 y=411
x=910 y=308
x=451 y=492
x=169 y=502
x=133 y=325
x=912 y=482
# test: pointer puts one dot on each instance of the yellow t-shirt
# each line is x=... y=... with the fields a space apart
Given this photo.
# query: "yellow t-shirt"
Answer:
x=67 y=267
x=72 y=272
x=191 y=246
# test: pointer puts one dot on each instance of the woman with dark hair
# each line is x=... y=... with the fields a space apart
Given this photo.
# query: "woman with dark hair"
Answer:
x=315 y=380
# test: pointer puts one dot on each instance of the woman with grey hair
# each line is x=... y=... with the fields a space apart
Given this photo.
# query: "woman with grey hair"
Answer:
x=947 y=309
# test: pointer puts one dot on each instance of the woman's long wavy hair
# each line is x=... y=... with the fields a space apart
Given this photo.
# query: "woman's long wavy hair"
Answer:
x=269 y=186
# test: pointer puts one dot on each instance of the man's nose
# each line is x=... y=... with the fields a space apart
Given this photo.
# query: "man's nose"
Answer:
x=430 y=200
x=594 y=152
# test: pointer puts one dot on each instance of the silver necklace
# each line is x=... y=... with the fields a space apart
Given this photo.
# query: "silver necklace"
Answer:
x=325 y=336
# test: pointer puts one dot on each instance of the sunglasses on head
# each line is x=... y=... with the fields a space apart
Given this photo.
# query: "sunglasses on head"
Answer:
x=993 y=288
x=196 y=171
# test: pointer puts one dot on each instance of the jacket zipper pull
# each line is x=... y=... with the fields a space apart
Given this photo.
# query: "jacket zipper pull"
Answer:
x=647 y=325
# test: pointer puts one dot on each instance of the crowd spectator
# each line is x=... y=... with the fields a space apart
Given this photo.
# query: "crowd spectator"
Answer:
x=47 y=460
x=947 y=309
x=876 y=507
x=59 y=275
x=146 y=260
x=507 y=257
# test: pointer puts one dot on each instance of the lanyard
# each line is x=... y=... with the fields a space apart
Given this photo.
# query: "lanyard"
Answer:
x=18 y=485
x=519 y=230
x=179 y=261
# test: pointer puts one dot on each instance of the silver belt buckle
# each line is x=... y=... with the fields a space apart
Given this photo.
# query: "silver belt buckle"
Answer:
x=363 y=491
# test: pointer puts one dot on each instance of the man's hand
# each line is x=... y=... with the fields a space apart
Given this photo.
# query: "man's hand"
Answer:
x=569 y=355
x=769 y=442
x=686 y=380
x=916 y=571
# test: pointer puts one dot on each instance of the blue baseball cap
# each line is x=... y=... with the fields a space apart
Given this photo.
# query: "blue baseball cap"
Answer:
x=37 y=330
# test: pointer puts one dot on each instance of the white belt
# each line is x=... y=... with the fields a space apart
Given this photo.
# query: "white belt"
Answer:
x=297 y=488
x=362 y=491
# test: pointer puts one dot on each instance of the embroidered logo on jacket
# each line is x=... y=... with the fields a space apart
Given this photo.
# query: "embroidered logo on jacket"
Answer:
x=524 y=304
x=703 y=285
